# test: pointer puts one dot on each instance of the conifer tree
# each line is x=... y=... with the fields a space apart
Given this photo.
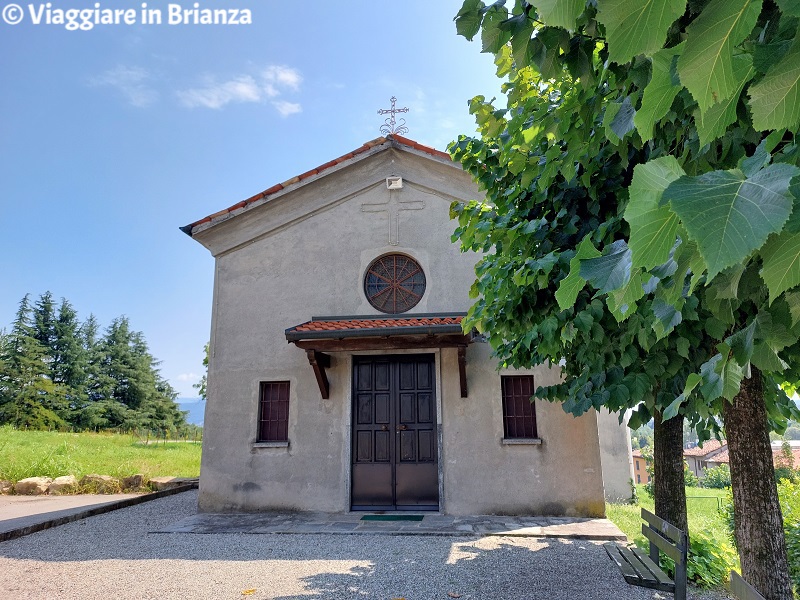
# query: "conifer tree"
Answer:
x=28 y=396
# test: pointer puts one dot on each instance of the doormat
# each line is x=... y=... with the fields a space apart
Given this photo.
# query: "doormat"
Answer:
x=392 y=517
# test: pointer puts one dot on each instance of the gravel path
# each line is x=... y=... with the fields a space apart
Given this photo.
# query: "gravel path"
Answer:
x=114 y=556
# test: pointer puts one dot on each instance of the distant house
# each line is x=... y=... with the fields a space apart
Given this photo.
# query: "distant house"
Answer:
x=777 y=451
x=710 y=454
x=640 y=467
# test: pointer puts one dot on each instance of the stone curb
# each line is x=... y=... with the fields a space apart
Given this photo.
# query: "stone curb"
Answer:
x=91 y=512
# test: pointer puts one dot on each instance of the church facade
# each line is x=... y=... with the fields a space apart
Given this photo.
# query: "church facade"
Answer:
x=339 y=375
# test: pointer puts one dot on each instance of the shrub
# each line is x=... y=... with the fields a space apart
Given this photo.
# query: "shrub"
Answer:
x=709 y=562
x=689 y=478
x=726 y=512
x=718 y=477
x=789 y=497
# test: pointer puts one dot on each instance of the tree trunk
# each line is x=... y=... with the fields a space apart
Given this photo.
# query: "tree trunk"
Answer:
x=668 y=483
x=758 y=523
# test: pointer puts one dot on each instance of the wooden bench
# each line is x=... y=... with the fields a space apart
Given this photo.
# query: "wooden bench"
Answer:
x=743 y=590
x=642 y=570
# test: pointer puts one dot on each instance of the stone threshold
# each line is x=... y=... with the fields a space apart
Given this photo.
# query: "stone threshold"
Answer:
x=432 y=524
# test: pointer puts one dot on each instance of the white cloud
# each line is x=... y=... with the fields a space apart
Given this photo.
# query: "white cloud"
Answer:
x=287 y=108
x=283 y=77
x=132 y=82
x=188 y=377
x=271 y=83
x=216 y=95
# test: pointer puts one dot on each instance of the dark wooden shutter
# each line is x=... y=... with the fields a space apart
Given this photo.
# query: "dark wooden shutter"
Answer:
x=273 y=412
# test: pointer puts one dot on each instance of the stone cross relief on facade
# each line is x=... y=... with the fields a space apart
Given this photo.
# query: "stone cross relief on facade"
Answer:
x=392 y=207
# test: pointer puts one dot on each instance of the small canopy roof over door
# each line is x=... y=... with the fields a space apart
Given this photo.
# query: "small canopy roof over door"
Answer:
x=357 y=333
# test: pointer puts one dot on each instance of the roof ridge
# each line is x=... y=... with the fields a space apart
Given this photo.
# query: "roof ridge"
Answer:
x=393 y=139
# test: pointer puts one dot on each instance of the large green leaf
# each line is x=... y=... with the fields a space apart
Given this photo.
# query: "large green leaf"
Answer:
x=706 y=64
x=712 y=123
x=775 y=100
x=732 y=374
x=494 y=37
x=634 y=28
x=659 y=93
x=622 y=301
x=667 y=316
x=653 y=227
x=559 y=13
x=611 y=271
x=729 y=215
x=468 y=19
x=691 y=383
x=790 y=8
x=573 y=283
x=622 y=123
x=781 y=263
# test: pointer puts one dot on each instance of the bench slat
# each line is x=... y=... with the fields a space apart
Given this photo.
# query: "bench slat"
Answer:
x=627 y=571
x=631 y=570
x=641 y=569
x=743 y=590
x=668 y=530
x=664 y=545
x=660 y=576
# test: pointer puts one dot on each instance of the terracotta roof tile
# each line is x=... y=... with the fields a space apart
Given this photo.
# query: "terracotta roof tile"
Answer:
x=708 y=447
x=353 y=324
x=335 y=327
x=289 y=182
x=776 y=455
x=331 y=163
x=307 y=174
x=722 y=457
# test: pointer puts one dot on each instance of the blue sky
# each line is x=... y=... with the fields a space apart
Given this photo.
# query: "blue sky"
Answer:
x=112 y=138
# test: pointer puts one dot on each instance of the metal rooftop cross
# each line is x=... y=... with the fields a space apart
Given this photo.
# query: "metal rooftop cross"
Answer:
x=390 y=126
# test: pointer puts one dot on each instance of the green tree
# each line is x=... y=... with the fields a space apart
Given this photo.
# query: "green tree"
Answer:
x=130 y=389
x=702 y=99
x=70 y=358
x=28 y=396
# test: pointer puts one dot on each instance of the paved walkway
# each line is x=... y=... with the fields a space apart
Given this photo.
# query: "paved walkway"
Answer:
x=18 y=512
x=431 y=524
x=23 y=515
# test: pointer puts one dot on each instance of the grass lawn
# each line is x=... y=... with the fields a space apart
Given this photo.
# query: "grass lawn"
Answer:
x=52 y=454
x=702 y=512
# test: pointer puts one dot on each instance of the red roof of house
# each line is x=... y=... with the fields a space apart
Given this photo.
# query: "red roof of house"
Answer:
x=722 y=457
x=707 y=447
x=393 y=139
x=336 y=327
x=776 y=454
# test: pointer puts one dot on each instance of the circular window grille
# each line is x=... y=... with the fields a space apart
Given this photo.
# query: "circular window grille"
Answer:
x=394 y=283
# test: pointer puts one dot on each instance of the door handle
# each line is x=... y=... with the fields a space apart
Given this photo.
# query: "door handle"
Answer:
x=401 y=428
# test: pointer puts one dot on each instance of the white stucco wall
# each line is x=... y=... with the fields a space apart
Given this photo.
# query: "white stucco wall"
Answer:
x=304 y=254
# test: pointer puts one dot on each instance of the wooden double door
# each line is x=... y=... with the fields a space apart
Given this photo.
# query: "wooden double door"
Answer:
x=394 y=435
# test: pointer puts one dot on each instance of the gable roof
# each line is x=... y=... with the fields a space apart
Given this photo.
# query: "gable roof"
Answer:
x=368 y=148
x=708 y=447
